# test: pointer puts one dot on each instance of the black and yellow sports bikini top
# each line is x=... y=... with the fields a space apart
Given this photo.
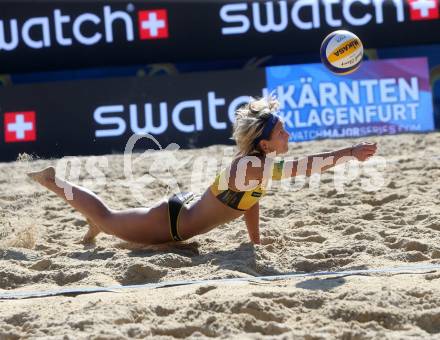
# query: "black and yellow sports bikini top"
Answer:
x=242 y=200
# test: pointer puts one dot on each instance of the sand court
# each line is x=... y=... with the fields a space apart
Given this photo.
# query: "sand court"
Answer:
x=316 y=228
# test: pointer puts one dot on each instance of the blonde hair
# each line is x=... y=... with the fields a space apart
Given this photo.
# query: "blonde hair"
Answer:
x=249 y=123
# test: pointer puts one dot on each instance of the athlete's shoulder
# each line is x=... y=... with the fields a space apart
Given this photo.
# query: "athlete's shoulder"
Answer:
x=250 y=166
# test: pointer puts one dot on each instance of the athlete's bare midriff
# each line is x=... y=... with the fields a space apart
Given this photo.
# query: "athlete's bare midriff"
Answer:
x=205 y=214
x=208 y=212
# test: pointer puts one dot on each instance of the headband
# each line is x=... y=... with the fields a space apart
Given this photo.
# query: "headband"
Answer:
x=269 y=124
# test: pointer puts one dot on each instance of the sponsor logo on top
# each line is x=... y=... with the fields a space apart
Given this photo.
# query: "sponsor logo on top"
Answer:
x=61 y=29
x=423 y=9
x=277 y=16
x=153 y=24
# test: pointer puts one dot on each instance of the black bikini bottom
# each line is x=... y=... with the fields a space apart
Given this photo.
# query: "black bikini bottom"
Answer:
x=175 y=204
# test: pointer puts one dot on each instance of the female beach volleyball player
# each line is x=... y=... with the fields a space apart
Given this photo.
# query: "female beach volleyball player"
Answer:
x=236 y=191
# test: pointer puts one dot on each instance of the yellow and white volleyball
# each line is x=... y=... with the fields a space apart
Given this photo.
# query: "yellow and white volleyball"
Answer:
x=342 y=52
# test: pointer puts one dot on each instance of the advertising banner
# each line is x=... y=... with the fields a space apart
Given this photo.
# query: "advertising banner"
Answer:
x=382 y=97
x=99 y=116
x=57 y=35
x=195 y=110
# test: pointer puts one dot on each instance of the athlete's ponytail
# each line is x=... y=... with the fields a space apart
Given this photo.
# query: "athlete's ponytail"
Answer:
x=249 y=123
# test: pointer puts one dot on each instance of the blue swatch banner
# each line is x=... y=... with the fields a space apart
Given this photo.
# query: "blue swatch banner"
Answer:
x=382 y=97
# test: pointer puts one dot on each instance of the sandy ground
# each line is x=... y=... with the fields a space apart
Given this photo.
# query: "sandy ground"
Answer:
x=316 y=228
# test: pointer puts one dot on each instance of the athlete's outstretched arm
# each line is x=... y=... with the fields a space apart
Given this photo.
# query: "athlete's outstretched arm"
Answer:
x=321 y=162
x=252 y=219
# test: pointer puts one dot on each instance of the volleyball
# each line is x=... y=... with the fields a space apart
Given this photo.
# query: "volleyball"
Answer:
x=342 y=52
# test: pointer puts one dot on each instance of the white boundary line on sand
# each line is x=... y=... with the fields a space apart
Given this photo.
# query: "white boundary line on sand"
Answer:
x=13 y=295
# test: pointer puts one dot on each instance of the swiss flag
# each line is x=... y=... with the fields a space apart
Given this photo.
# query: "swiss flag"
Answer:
x=423 y=9
x=20 y=127
x=153 y=24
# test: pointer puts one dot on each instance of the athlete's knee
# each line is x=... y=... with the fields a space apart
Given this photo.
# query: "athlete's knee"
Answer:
x=104 y=216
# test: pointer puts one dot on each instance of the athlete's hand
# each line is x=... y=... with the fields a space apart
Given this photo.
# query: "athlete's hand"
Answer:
x=364 y=150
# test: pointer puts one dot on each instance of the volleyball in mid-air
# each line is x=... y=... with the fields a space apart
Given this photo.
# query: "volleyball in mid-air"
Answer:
x=342 y=52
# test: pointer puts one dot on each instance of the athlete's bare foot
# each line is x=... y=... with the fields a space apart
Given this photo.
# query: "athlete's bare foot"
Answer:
x=91 y=234
x=44 y=176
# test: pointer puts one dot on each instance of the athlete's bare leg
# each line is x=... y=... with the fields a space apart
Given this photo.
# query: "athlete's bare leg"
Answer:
x=142 y=225
x=91 y=234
